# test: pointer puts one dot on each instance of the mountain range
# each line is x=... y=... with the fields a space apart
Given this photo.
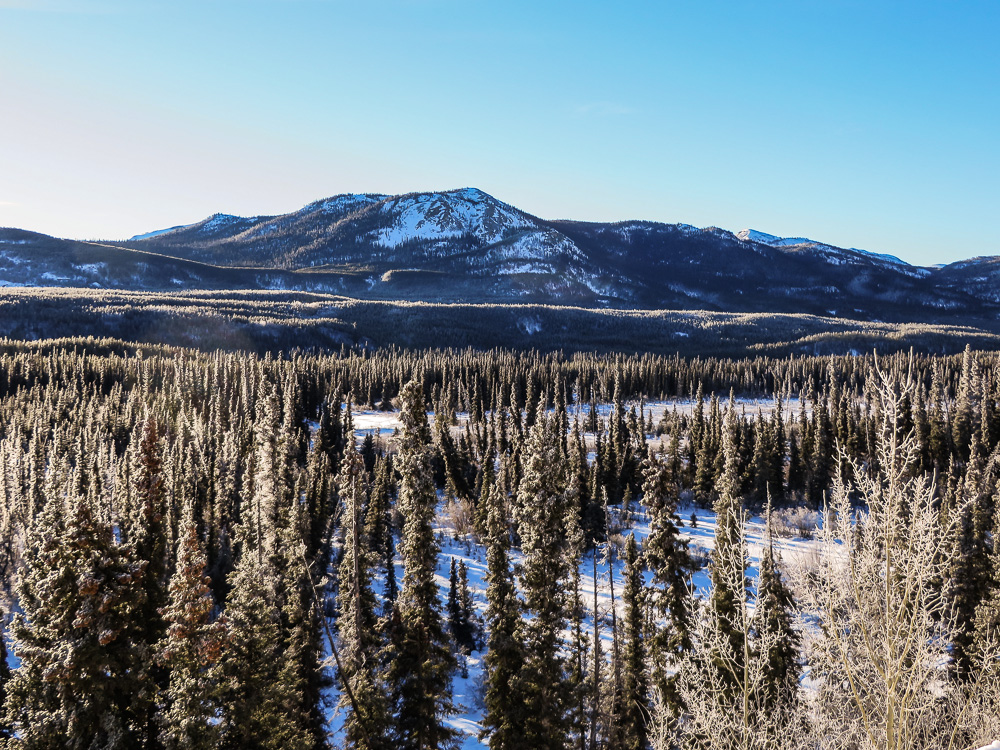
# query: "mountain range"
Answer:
x=467 y=246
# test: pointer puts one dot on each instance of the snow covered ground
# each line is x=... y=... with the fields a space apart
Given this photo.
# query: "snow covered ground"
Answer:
x=701 y=535
x=384 y=423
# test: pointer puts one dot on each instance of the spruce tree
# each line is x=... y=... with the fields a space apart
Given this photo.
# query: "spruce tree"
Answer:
x=461 y=608
x=988 y=611
x=666 y=555
x=366 y=720
x=502 y=716
x=378 y=527
x=775 y=617
x=79 y=593
x=969 y=573
x=299 y=676
x=727 y=601
x=147 y=533
x=190 y=652
x=542 y=506
x=5 y=675
x=261 y=705
x=635 y=701
x=421 y=662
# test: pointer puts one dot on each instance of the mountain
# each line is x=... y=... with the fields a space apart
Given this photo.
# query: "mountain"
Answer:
x=467 y=246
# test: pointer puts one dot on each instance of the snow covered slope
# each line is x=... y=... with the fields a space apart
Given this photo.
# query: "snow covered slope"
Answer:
x=467 y=246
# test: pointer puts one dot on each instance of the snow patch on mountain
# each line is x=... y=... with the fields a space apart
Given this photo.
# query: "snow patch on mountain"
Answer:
x=752 y=235
x=221 y=221
x=437 y=216
x=832 y=253
x=344 y=203
x=157 y=232
x=537 y=245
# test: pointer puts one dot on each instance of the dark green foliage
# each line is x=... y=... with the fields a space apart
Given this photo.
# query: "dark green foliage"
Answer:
x=5 y=675
x=421 y=663
x=146 y=529
x=80 y=593
x=729 y=551
x=366 y=721
x=378 y=527
x=635 y=701
x=268 y=667
x=190 y=652
x=666 y=555
x=175 y=451
x=461 y=611
x=775 y=617
x=543 y=503
x=969 y=583
x=504 y=707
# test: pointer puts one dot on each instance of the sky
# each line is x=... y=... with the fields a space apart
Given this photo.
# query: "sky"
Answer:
x=869 y=124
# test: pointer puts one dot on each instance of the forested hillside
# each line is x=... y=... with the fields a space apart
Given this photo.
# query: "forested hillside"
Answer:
x=204 y=550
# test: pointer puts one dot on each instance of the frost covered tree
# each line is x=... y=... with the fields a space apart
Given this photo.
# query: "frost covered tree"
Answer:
x=421 y=663
x=635 y=701
x=265 y=696
x=76 y=636
x=146 y=530
x=543 y=502
x=667 y=557
x=366 y=720
x=502 y=716
x=726 y=693
x=883 y=639
x=378 y=527
x=776 y=628
x=190 y=651
x=729 y=563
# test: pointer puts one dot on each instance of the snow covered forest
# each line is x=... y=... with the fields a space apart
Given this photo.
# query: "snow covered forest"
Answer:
x=443 y=548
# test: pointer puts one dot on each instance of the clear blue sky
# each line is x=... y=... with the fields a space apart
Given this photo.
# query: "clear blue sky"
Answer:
x=865 y=124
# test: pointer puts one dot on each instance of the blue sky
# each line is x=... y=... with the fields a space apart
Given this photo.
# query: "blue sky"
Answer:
x=863 y=124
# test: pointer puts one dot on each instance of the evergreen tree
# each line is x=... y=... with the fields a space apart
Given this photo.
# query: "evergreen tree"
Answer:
x=969 y=573
x=378 y=527
x=80 y=656
x=260 y=706
x=635 y=701
x=666 y=555
x=726 y=601
x=190 y=651
x=299 y=676
x=148 y=535
x=775 y=615
x=421 y=664
x=502 y=715
x=988 y=612
x=366 y=720
x=542 y=506
x=461 y=613
x=5 y=675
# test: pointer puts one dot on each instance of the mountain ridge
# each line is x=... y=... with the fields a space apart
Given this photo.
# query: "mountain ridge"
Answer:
x=465 y=245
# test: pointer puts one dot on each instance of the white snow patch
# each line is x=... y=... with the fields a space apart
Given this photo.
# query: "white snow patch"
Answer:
x=753 y=235
x=90 y=267
x=530 y=325
x=158 y=232
x=435 y=216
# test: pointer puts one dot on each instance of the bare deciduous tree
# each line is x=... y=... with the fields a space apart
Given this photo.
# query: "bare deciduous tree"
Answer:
x=880 y=652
